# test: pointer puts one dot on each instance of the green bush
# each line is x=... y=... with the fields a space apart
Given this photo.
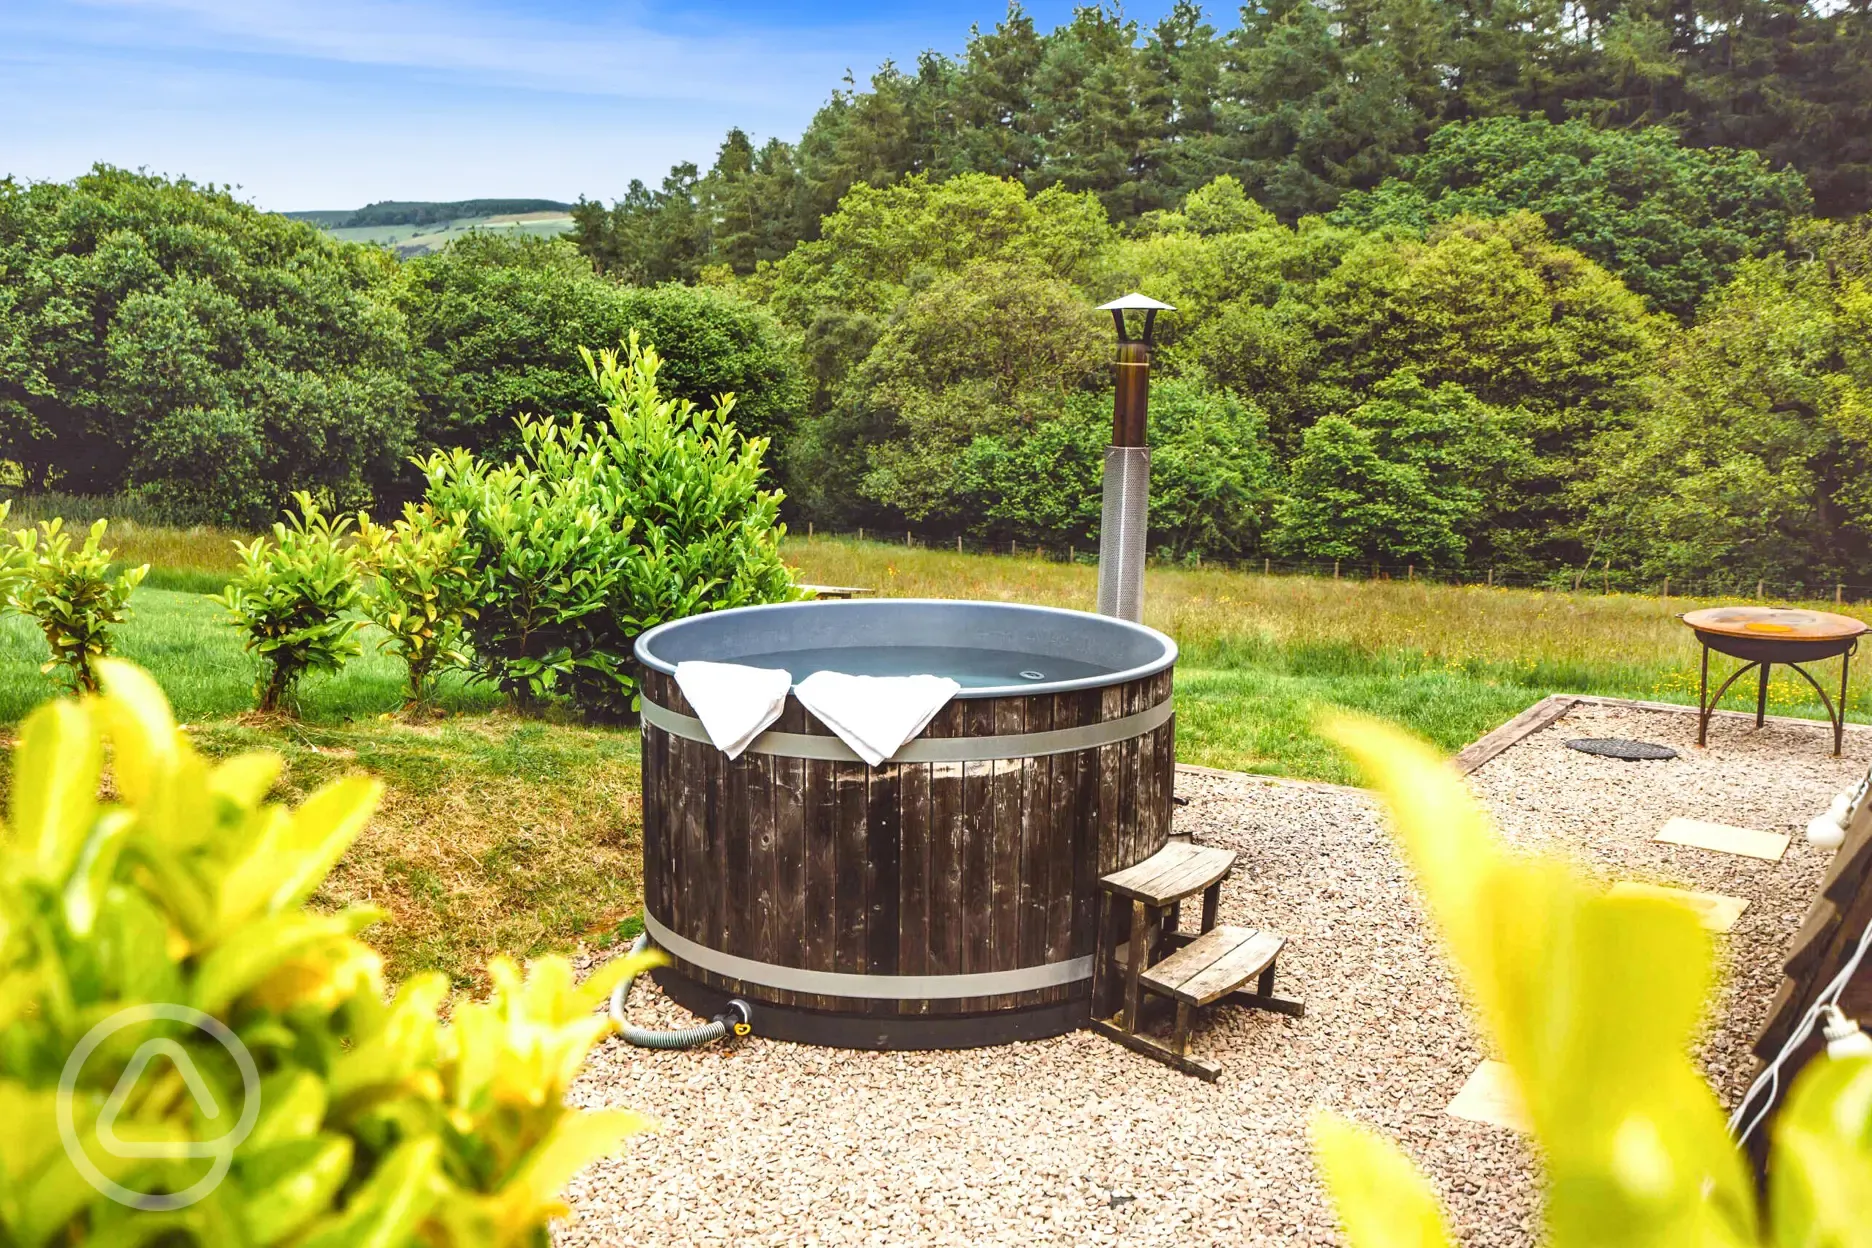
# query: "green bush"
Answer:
x=547 y=554
x=293 y=598
x=422 y=592
x=373 y=1122
x=597 y=531
x=71 y=595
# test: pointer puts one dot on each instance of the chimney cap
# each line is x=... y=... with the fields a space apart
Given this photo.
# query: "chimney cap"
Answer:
x=1135 y=302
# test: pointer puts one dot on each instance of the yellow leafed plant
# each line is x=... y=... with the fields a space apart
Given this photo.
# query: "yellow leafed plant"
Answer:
x=188 y=1054
x=1593 y=1001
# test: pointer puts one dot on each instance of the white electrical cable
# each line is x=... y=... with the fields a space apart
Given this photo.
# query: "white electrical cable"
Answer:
x=1771 y=1077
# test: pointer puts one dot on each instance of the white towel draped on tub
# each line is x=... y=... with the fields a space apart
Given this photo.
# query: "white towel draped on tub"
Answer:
x=874 y=715
x=735 y=703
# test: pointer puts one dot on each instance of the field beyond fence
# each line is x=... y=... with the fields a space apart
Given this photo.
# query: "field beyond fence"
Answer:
x=1600 y=576
x=1261 y=653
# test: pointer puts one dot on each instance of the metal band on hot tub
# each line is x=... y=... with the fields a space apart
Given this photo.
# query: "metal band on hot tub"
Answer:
x=878 y=987
x=933 y=749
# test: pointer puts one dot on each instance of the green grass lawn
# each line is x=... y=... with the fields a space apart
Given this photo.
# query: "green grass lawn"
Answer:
x=184 y=639
x=505 y=834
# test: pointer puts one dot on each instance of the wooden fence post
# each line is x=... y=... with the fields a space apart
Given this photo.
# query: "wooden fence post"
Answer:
x=958 y=543
x=1758 y=589
x=861 y=532
x=809 y=528
x=1267 y=567
x=1491 y=576
x=1410 y=572
x=1667 y=588
x=1839 y=594
x=1335 y=569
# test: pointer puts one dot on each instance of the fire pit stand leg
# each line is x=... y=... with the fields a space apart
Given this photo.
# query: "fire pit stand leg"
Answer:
x=1836 y=715
x=1761 y=696
x=1839 y=720
x=1703 y=710
x=1708 y=708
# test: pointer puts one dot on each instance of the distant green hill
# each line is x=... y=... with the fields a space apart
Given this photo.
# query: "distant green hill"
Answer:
x=414 y=229
x=424 y=212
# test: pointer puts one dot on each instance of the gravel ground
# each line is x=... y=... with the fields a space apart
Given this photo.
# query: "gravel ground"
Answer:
x=1077 y=1141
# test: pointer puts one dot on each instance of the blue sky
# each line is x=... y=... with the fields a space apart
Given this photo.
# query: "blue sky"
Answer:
x=338 y=103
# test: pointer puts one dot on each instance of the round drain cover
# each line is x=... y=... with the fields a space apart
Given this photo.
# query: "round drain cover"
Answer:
x=1619 y=747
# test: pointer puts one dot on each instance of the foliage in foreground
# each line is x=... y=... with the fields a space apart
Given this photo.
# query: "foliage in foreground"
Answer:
x=597 y=531
x=1593 y=1001
x=294 y=597
x=375 y=1123
x=71 y=595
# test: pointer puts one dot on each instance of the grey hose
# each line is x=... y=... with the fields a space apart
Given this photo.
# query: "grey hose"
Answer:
x=736 y=1019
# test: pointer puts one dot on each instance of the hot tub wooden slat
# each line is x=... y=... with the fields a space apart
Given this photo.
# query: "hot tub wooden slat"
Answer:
x=853 y=814
x=1010 y=716
x=883 y=885
x=913 y=877
x=1061 y=773
x=1036 y=846
x=821 y=869
x=978 y=851
x=945 y=951
x=789 y=825
x=760 y=798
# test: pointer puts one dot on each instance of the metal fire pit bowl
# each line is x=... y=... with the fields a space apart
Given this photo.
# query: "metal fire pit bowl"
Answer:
x=1764 y=636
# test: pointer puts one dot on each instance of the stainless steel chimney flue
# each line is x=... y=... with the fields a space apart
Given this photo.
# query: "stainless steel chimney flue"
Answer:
x=1124 y=519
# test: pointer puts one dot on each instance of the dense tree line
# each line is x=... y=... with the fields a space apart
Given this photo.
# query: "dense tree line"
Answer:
x=1456 y=285
x=1303 y=103
x=165 y=340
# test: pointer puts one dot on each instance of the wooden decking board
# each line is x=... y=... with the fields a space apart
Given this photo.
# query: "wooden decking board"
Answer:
x=1175 y=871
x=1214 y=964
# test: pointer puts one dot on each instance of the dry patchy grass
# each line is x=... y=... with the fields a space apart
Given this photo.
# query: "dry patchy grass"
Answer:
x=495 y=835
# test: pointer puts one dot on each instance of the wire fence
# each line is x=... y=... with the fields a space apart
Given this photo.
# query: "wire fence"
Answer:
x=1601 y=578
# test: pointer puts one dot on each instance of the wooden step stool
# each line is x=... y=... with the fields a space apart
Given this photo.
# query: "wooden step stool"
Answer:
x=1192 y=969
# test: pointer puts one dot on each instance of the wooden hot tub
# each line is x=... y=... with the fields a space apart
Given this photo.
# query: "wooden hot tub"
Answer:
x=944 y=899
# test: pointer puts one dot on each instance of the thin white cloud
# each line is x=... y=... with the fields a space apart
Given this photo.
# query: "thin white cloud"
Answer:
x=619 y=56
x=335 y=104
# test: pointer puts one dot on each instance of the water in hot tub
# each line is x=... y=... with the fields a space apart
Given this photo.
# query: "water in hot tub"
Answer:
x=972 y=667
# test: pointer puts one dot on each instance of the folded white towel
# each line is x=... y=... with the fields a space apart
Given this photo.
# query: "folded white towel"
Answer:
x=875 y=715
x=735 y=703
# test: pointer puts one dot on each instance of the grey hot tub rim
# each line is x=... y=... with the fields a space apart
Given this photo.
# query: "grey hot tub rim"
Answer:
x=1142 y=650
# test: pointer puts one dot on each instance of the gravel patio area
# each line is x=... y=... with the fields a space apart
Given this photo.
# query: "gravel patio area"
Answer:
x=1075 y=1140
